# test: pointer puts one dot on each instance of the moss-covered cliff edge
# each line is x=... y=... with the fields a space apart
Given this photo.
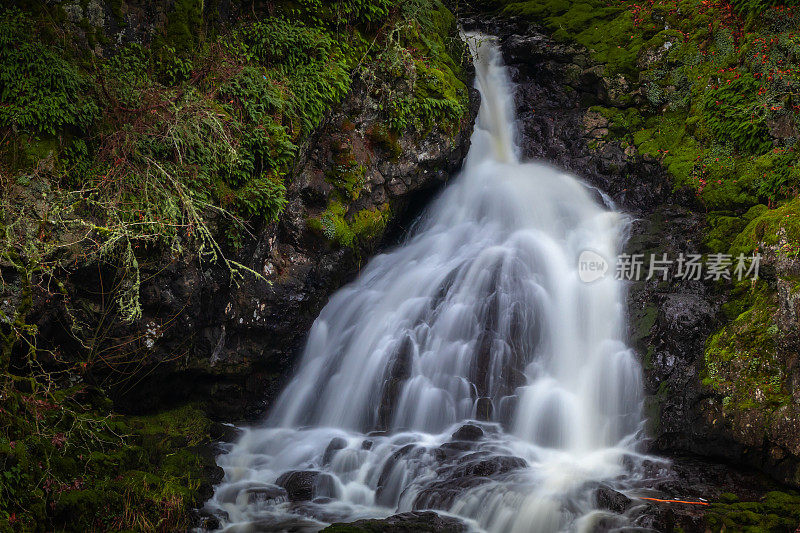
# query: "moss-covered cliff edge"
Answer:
x=183 y=184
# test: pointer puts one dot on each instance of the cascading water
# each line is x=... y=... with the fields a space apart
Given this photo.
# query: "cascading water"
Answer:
x=479 y=315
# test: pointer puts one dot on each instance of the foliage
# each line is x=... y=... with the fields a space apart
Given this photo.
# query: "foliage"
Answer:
x=721 y=92
x=780 y=226
x=40 y=92
x=310 y=62
x=76 y=468
x=351 y=231
x=731 y=115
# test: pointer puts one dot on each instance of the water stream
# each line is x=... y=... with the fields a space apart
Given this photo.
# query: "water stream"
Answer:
x=478 y=318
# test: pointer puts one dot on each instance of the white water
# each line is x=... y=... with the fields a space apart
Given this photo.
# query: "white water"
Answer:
x=482 y=301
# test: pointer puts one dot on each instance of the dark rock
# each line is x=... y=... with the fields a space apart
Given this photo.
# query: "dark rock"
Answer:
x=611 y=500
x=484 y=409
x=462 y=473
x=270 y=495
x=334 y=446
x=468 y=432
x=224 y=432
x=421 y=521
x=398 y=370
x=305 y=485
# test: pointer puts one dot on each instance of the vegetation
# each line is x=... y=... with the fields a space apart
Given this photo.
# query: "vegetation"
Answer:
x=68 y=464
x=742 y=362
x=777 y=512
x=117 y=151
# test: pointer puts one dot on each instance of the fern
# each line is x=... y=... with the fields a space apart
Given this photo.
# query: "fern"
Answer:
x=40 y=91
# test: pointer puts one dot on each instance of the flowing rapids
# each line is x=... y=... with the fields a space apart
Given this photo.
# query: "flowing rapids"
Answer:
x=480 y=318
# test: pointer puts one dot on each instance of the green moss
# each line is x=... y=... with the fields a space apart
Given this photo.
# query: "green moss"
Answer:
x=665 y=137
x=741 y=359
x=777 y=512
x=652 y=408
x=622 y=122
x=724 y=227
x=348 y=178
x=386 y=139
x=184 y=25
x=644 y=322
x=85 y=470
x=606 y=29
x=772 y=227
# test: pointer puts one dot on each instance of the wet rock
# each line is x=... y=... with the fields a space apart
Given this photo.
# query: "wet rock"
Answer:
x=484 y=409
x=489 y=467
x=468 y=432
x=507 y=409
x=270 y=495
x=611 y=500
x=305 y=485
x=463 y=473
x=334 y=446
x=421 y=521
x=399 y=369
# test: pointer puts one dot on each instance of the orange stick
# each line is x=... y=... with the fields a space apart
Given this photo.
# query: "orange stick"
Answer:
x=674 y=501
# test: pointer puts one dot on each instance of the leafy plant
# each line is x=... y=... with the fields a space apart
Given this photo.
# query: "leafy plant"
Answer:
x=732 y=114
x=40 y=91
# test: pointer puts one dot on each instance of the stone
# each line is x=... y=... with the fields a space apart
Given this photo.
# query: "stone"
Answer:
x=305 y=485
x=420 y=521
x=468 y=432
x=334 y=446
x=611 y=500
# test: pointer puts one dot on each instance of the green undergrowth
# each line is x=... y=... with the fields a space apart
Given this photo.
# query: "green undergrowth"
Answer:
x=717 y=82
x=70 y=465
x=777 y=512
x=185 y=144
x=741 y=360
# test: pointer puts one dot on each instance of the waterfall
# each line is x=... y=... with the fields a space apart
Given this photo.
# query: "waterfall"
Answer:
x=478 y=316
